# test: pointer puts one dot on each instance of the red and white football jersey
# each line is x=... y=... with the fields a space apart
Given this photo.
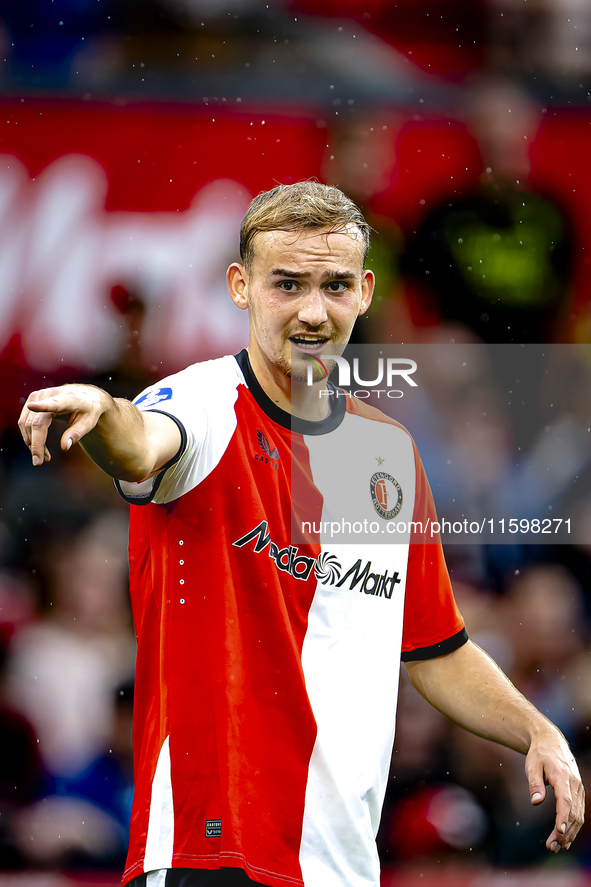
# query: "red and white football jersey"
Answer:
x=269 y=654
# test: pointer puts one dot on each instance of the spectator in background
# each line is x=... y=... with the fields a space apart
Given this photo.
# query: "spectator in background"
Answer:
x=497 y=260
x=19 y=771
x=442 y=775
x=65 y=667
x=543 y=615
x=66 y=674
x=358 y=158
x=82 y=821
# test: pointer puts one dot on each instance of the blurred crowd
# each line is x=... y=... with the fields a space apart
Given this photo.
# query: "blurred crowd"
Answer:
x=454 y=795
x=73 y=43
x=484 y=252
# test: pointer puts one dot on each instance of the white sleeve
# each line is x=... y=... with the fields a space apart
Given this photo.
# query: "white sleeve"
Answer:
x=201 y=401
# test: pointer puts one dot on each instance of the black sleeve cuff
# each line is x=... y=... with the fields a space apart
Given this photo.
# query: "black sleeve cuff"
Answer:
x=157 y=480
x=447 y=646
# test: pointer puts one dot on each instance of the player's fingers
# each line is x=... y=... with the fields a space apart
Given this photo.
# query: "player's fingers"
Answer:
x=62 y=400
x=81 y=402
x=36 y=399
x=25 y=422
x=23 y=426
x=37 y=404
x=37 y=425
x=564 y=813
x=556 y=840
x=54 y=403
x=37 y=446
x=577 y=814
x=570 y=809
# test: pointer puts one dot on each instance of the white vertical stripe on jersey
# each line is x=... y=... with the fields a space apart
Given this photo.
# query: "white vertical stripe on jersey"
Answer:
x=156 y=879
x=160 y=837
x=351 y=659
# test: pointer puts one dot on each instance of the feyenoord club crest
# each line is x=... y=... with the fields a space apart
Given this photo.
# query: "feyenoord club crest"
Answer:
x=386 y=494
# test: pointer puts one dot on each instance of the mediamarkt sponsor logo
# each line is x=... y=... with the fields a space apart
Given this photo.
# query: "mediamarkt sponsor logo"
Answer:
x=327 y=568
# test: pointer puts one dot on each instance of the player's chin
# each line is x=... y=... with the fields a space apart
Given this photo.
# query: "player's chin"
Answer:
x=302 y=370
x=299 y=374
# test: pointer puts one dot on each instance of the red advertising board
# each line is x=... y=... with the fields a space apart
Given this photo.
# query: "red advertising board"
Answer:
x=149 y=197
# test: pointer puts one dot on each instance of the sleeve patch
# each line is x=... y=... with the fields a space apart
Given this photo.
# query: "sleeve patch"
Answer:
x=152 y=398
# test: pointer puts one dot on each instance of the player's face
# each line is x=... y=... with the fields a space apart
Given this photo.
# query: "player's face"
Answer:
x=303 y=293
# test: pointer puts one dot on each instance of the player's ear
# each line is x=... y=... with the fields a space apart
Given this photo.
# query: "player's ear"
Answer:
x=237 y=278
x=368 y=282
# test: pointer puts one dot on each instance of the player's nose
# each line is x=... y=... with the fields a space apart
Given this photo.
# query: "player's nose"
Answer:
x=312 y=309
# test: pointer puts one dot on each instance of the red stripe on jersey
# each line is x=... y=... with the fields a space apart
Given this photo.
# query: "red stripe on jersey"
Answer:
x=227 y=681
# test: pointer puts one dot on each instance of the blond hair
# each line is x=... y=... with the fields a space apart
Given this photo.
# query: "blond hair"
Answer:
x=299 y=207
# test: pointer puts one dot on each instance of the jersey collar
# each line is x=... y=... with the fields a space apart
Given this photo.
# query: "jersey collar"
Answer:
x=281 y=417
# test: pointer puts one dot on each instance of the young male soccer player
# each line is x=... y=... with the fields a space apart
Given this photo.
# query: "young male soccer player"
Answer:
x=267 y=664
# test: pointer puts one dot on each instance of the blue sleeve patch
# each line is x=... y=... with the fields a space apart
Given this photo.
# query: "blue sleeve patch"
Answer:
x=151 y=398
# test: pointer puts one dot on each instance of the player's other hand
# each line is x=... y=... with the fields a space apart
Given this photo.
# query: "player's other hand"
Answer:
x=84 y=403
x=550 y=762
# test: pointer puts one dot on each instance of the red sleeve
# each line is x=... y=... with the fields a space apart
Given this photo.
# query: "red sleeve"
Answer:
x=433 y=625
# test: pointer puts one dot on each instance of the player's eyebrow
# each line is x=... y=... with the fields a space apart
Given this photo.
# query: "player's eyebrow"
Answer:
x=340 y=275
x=282 y=272
x=328 y=275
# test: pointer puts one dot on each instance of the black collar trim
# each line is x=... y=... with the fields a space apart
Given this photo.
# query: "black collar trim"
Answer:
x=283 y=418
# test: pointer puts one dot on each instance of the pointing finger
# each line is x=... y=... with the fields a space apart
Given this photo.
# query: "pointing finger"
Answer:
x=37 y=426
x=49 y=404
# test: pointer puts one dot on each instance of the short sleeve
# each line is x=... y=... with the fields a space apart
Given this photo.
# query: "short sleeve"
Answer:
x=200 y=399
x=433 y=625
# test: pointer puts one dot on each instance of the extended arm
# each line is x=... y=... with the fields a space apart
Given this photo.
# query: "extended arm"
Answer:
x=471 y=690
x=126 y=443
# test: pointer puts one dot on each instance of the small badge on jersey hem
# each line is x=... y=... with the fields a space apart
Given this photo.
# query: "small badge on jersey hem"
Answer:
x=386 y=494
x=213 y=828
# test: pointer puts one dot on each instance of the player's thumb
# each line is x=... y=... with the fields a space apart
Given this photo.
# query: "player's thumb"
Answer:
x=79 y=425
x=74 y=433
x=537 y=789
x=68 y=438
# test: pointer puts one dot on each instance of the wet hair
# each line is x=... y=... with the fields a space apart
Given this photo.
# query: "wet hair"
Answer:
x=299 y=207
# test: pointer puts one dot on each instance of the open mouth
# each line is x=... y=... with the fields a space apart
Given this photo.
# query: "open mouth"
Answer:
x=309 y=344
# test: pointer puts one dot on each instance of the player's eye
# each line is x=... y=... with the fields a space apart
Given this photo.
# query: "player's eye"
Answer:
x=288 y=286
x=337 y=286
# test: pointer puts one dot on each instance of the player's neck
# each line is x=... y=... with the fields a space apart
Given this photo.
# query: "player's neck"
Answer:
x=298 y=398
